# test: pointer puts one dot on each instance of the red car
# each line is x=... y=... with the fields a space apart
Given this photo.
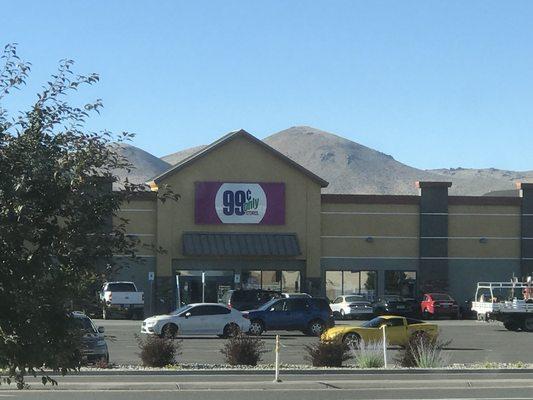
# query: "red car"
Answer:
x=438 y=305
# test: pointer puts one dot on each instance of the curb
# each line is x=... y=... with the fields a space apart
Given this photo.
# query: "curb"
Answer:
x=300 y=372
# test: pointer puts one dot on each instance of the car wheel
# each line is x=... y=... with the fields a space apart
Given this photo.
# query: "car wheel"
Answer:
x=512 y=325
x=169 y=331
x=316 y=328
x=527 y=325
x=352 y=340
x=256 y=327
x=231 y=330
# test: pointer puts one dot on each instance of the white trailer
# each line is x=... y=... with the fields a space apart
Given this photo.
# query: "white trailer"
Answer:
x=508 y=302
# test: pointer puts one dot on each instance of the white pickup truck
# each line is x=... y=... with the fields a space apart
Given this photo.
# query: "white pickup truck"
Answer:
x=508 y=302
x=122 y=298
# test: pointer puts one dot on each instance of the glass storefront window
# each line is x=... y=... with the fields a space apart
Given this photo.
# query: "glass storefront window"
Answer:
x=369 y=284
x=351 y=282
x=271 y=280
x=402 y=283
x=251 y=279
x=217 y=282
x=333 y=284
x=290 y=281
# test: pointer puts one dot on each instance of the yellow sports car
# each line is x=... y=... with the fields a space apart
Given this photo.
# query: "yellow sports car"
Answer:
x=398 y=331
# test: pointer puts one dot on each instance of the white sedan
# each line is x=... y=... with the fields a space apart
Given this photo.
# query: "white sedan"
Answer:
x=351 y=306
x=197 y=319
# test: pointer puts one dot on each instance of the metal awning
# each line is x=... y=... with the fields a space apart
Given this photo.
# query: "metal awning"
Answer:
x=240 y=244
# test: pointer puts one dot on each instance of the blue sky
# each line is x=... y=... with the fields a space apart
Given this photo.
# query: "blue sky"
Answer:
x=433 y=83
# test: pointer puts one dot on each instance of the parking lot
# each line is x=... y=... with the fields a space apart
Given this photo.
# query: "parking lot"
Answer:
x=472 y=342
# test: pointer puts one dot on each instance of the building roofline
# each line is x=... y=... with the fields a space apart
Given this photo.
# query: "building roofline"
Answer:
x=228 y=137
x=370 y=199
x=484 y=200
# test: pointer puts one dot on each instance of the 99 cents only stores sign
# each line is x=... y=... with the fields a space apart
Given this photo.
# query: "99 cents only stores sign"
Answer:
x=239 y=203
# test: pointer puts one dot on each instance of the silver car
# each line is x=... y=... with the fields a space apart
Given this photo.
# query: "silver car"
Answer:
x=93 y=344
x=351 y=306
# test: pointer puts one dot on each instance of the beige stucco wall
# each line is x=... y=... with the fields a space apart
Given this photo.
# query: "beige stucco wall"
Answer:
x=394 y=229
x=141 y=216
x=500 y=225
x=241 y=160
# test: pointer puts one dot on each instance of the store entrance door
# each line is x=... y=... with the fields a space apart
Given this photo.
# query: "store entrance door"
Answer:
x=215 y=284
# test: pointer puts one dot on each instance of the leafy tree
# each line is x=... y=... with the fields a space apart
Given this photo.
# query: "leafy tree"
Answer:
x=56 y=208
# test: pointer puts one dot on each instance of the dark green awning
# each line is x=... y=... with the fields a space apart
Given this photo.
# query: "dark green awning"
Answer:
x=240 y=244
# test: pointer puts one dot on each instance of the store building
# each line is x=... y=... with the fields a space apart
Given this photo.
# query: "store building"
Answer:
x=249 y=217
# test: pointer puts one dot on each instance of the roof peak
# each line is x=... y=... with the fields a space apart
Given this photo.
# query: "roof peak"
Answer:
x=231 y=136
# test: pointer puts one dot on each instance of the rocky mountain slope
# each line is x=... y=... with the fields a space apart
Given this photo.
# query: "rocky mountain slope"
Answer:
x=146 y=165
x=349 y=167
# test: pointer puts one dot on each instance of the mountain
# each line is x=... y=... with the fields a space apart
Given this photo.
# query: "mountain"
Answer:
x=354 y=168
x=146 y=165
x=175 y=158
x=491 y=181
x=350 y=167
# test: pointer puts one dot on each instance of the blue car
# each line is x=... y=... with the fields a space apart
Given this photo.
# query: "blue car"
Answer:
x=310 y=315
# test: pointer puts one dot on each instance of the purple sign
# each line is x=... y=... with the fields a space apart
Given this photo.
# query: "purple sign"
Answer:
x=239 y=203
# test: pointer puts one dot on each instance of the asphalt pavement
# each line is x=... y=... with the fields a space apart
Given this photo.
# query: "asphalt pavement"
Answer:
x=471 y=341
x=511 y=386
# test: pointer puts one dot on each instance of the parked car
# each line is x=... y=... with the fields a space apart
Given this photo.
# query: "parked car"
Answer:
x=295 y=295
x=435 y=305
x=197 y=319
x=398 y=330
x=93 y=344
x=122 y=298
x=394 y=304
x=351 y=306
x=248 y=299
x=309 y=315
x=465 y=310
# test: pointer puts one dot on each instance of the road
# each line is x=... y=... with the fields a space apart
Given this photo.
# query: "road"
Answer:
x=472 y=341
x=517 y=386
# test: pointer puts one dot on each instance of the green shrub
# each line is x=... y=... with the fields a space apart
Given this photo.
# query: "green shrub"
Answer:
x=158 y=352
x=369 y=355
x=423 y=351
x=327 y=354
x=242 y=349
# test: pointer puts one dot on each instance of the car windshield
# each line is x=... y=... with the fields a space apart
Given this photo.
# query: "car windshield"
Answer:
x=373 y=323
x=440 y=296
x=180 y=310
x=85 y=324
x=355 y=298
x=268 y=304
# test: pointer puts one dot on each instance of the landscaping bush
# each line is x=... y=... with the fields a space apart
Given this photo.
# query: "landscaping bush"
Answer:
x=369 y=355
x=423 y=351
x=327 y=354
x=158 y=352
x=242 y=349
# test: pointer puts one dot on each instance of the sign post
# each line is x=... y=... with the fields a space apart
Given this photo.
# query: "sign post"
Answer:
x=276 y=365
x=178 y=296
x=384 y=345
x=203 y=287
x=151 y=277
